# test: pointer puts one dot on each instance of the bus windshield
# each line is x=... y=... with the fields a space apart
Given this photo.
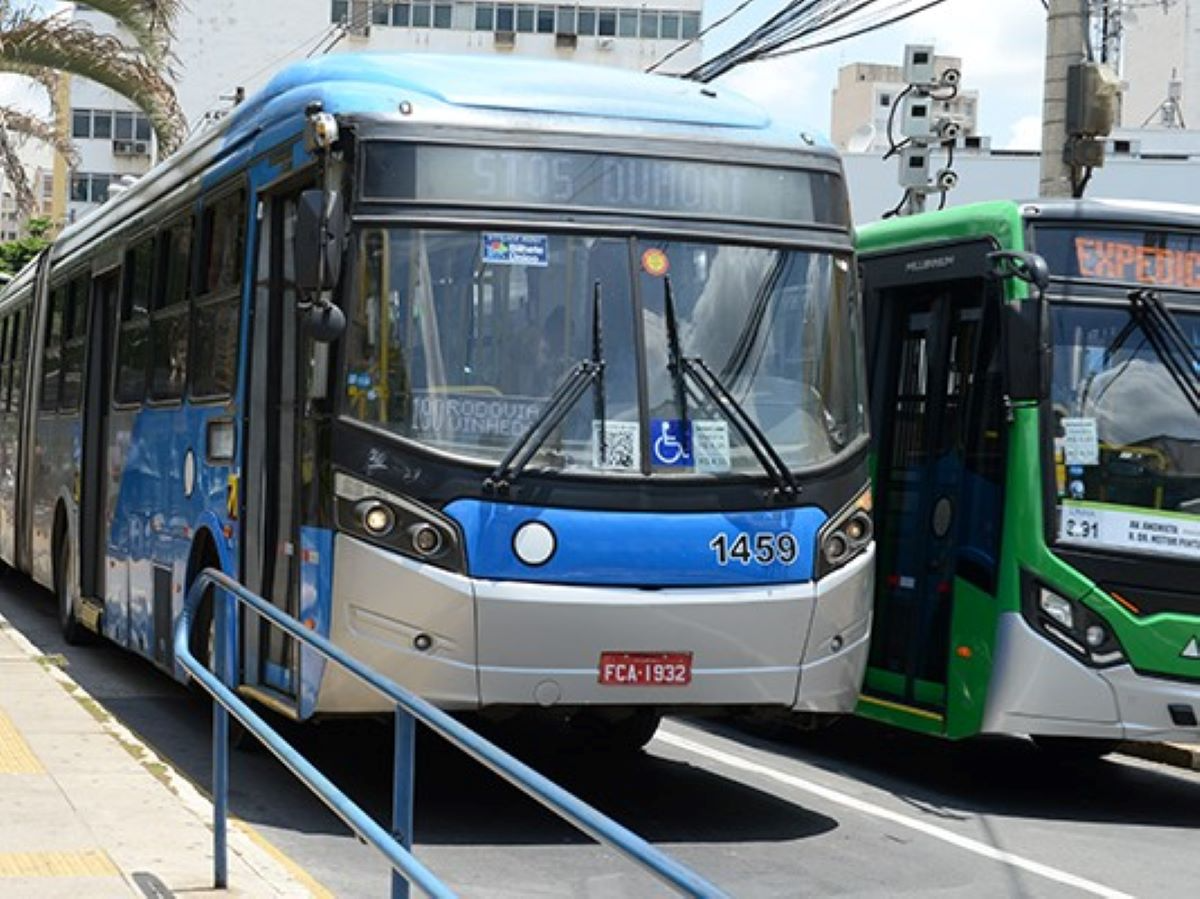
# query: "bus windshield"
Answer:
x=458 y=339
x=1126 y=435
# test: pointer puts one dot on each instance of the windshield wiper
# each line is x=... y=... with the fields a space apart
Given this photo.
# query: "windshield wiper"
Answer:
x=573 y=385
x=695 y=368
x=1174 y=350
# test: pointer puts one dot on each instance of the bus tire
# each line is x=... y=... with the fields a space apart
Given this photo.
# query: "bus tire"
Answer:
x=1078 y=750
x=68 y=623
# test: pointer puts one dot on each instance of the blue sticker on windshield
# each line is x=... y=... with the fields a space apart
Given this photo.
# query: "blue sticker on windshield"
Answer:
x=516 y=249
x=672 y=444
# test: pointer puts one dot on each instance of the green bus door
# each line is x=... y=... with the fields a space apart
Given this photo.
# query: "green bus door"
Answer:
x=937 y=446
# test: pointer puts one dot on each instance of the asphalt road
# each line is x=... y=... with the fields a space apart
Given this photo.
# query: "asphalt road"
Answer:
x=856 y=810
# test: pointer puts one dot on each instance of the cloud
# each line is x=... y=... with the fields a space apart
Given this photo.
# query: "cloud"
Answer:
x=1025 y=134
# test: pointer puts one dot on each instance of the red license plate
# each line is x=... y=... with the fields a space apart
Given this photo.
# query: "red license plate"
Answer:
x=646 y=669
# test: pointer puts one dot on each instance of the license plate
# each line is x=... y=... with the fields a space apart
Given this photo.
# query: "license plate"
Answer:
x=646 y=669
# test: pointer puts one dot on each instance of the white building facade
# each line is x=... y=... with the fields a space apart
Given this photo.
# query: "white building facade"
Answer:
x=230 y=48
x=1160 y=65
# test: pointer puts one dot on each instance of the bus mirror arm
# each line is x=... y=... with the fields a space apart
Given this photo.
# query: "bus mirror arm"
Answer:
x=319 y=244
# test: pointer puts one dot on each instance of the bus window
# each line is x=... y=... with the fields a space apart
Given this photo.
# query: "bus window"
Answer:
x=20 y=339
x=74 y=344
x=216 y=314
x=169 y=320
x=52 y=358
x=5 y=362
x=133 y=346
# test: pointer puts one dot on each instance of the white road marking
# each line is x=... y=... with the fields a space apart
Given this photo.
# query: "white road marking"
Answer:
x=869 y=808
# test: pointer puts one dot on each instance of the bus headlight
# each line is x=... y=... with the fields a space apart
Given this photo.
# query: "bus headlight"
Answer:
x=399 y=523
x=376 y=518
x=1071 y=625
x=845 y=535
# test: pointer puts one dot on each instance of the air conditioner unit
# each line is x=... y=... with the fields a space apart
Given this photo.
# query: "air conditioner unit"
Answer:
x=131 y=148
x=563 y=41
x=505 y=39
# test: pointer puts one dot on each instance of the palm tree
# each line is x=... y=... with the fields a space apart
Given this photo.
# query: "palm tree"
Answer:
x=41 y=46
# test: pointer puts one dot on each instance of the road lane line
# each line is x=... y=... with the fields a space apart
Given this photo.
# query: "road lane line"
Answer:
x=878 y=811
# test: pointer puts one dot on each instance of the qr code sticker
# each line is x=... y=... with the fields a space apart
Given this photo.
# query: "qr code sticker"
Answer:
x=620 y=444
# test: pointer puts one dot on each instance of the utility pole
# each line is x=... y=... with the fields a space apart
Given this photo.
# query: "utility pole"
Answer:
x=1066 y=38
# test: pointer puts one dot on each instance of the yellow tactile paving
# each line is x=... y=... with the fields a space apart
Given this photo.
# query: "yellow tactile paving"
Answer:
x=15 y=755
x=56 y=864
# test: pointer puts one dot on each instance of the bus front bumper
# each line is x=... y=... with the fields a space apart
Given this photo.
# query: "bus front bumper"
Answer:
x=501 y=643
x=1038 y=688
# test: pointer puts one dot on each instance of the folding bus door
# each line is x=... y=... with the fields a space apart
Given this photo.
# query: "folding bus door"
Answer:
x=273 y=460
x=935 y=383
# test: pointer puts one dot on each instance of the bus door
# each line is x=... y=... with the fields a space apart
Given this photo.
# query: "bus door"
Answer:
x=937 y=414
x=93 y=502
x=272 y=461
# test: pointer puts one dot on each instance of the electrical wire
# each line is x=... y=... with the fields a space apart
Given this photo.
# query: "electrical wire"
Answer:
x=808 y=19
x=700 y=35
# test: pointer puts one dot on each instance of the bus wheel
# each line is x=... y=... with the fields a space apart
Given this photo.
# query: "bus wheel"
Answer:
x=1079 y=750
x=204 y=648
x=64 y=588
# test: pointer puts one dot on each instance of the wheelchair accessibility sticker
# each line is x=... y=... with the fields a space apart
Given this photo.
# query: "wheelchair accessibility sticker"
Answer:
x=702 y=445
x=672 y=446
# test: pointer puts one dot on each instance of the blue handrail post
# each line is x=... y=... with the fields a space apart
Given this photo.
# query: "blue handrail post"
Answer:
x=402 y=791
x=221 y=651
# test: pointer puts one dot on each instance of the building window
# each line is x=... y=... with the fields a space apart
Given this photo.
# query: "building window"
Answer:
x=340 y=11
x=545 y=20
x=81 y=124
x=401 y=15
x=587 y=21
x=885 y=100
x=649 y=27
x=607 y=22
x=669 y=26
x=422 y=15
x=627 y=21
x=443 y=15
x=485 y=17
x=689 y=25
x=566 y=20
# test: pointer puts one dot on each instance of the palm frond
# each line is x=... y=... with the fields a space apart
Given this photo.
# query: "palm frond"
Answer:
x=149 y=21
x=28 y=45
x=14 y=171
x=14 y=121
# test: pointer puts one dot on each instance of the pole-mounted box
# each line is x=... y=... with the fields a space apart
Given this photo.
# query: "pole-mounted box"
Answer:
x=1093 y=90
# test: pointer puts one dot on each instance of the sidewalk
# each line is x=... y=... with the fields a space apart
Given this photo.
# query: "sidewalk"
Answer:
x=88 y=810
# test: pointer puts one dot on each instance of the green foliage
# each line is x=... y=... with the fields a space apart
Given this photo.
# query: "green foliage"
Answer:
x=16 y=254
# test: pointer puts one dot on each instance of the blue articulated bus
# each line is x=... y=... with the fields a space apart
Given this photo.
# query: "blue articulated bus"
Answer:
x=532 y=385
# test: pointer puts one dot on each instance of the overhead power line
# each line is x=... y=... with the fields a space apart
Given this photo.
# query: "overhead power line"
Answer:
x=804 y=25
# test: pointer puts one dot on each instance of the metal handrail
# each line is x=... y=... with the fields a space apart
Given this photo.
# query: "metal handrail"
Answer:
x=396 y=845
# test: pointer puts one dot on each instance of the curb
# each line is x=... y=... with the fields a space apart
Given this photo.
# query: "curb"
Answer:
x=280 y=873
x=1177 y=755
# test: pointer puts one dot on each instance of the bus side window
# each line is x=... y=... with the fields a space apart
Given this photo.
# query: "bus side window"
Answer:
x=52 y=356
x=169 y=319
x=216 y=313
x=20 y=338
x=133 y=344
x=5 y=362
x=74 y=344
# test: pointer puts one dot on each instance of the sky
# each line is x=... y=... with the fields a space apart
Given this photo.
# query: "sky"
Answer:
x=1001 y=43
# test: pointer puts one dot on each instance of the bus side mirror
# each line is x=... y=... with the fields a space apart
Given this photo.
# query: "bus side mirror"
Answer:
x=318 y=242
x=1028 y=267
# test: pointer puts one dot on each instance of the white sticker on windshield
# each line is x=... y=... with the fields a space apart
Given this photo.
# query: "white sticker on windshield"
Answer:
x=1120 y=527
x=620 y=449
x=1081 y=442
x=710 y=445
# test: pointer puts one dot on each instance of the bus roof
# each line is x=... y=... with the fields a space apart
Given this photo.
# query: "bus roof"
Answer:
x=469 y=91
x=1005 y=220
x=462 y=87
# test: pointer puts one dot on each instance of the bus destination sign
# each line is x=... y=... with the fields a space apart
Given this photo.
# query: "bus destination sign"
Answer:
x=1107 y=259
x=1168 y=260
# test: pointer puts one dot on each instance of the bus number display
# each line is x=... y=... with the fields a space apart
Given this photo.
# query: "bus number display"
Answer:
x=759 y=549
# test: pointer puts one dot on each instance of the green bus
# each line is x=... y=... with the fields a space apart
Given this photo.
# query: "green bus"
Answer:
x=1035 y=403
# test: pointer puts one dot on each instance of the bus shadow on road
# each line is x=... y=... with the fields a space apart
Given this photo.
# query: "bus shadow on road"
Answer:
x=988 y=775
